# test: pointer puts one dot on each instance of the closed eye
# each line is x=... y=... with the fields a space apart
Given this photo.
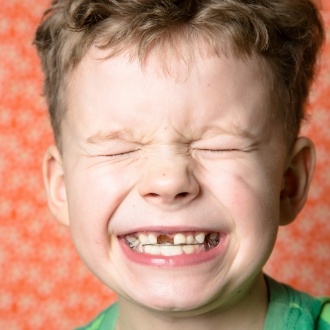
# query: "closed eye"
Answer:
x=223 y=153
x=219 y=150
x=119 y=154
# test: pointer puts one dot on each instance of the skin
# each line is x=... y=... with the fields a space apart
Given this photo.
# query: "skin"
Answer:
x=193 y=149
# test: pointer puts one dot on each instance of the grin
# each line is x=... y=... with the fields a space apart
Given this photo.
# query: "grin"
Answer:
x=172 y=244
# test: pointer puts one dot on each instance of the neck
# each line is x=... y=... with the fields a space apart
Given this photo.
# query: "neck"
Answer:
x=248 y=313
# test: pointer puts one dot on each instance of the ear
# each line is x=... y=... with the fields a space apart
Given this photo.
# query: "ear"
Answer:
x=53 y=177
x=297 y=179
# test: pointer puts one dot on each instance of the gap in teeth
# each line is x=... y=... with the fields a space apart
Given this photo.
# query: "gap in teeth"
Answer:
x=172 y=244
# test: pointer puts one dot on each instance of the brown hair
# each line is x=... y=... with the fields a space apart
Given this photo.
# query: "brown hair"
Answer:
x=287 y=33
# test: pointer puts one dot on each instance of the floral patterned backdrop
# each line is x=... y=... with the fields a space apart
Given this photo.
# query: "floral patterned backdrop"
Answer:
x=43 y=283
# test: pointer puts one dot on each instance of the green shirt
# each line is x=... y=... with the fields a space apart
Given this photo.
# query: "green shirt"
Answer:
x=288 y=309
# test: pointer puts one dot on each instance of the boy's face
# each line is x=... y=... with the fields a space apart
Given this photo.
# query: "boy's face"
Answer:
x=187 y=152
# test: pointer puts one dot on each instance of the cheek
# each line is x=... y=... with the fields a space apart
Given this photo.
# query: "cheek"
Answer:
x=252 y=201
x=93 y=197
x=97 y=191
x=250 y=196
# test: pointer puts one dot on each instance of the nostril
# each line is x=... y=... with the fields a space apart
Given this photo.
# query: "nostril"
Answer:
x=182 y=195
x=153 y=195
x=178 y=196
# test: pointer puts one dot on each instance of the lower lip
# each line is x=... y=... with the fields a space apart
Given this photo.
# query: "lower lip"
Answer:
x=182 y=260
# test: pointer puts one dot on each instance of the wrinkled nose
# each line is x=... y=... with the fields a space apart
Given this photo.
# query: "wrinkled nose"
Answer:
x=168 y=182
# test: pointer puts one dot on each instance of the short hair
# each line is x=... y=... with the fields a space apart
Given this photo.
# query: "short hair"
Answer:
x=288 y=34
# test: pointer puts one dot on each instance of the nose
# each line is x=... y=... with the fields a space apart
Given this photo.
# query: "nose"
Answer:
x=168 y=182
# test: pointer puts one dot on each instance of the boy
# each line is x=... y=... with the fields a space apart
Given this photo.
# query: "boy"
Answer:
x=177 y=154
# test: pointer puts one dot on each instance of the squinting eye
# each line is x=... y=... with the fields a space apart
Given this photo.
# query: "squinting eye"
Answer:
x=119 y=154
x=218 y=153
x=219 y=150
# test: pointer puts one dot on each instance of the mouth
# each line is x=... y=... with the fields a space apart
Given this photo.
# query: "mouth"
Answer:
x=166 y=244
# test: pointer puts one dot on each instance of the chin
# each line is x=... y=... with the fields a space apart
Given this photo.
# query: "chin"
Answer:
x=178 y=301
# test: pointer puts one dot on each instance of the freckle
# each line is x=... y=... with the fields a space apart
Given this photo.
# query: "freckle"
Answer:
x=163 y=174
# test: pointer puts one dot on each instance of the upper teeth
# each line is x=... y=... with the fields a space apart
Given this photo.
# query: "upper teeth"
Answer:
x=172 y=244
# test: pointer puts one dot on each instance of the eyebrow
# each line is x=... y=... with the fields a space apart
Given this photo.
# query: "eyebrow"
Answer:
x=214 y=130
x=127 y=135
x=101 y=137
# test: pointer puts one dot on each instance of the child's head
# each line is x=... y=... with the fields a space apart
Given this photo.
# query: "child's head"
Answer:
x=177 y=122
x=287 y=34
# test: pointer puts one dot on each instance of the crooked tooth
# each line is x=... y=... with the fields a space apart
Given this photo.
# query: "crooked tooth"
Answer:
x=152 y=239
x=139 y=248
x=188 y=249
x=179 y=239
x=133 y=241
x=131 y=238
x=200 y=238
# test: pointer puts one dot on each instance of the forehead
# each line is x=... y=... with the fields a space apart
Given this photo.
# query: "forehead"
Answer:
x=174 y=63
x=206 y=90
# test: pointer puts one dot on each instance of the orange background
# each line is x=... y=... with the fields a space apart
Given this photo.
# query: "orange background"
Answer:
x=43 y=284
